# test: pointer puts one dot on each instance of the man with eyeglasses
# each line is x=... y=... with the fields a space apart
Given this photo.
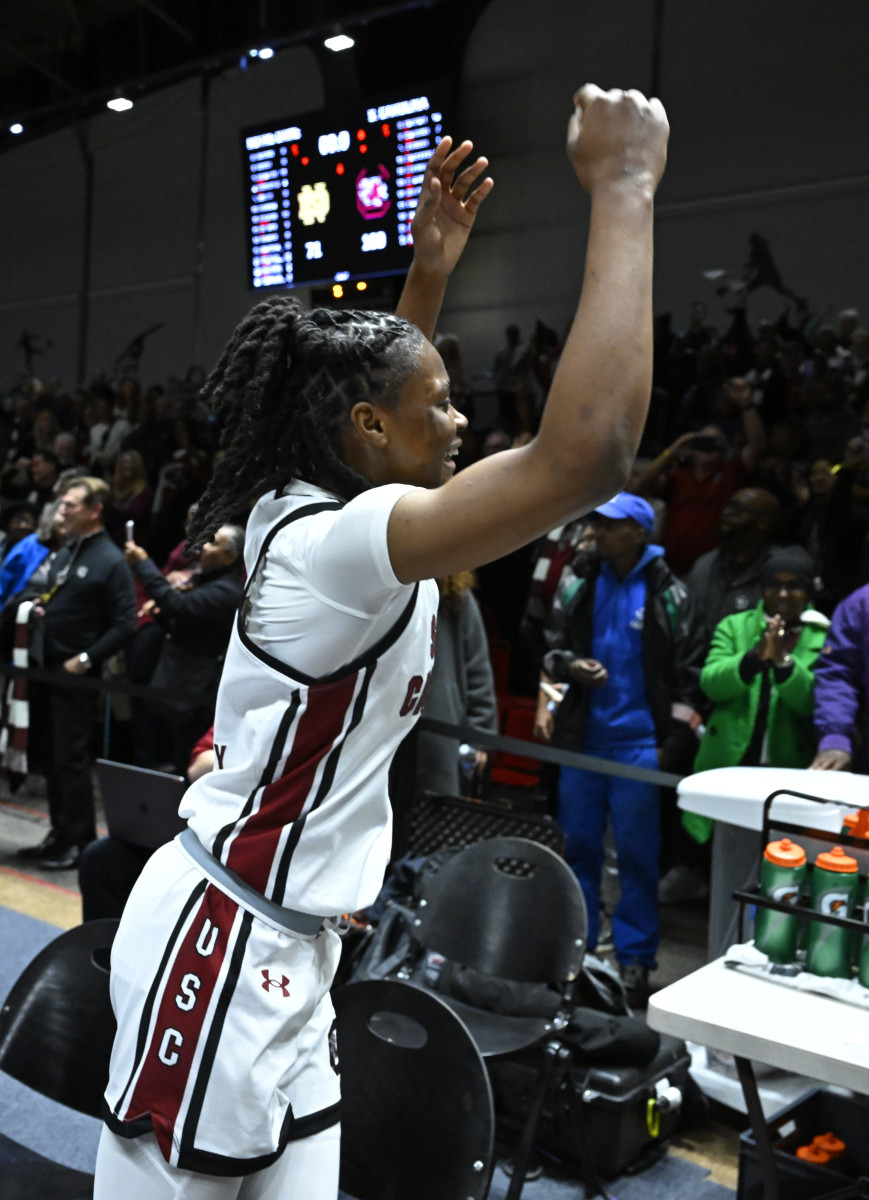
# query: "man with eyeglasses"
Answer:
x=85 y=616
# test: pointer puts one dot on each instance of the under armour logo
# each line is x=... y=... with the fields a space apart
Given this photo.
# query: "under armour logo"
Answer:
x=282 y=984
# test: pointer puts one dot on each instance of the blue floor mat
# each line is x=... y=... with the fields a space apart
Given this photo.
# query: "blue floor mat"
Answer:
x=71 y=1138
x=40 y=1124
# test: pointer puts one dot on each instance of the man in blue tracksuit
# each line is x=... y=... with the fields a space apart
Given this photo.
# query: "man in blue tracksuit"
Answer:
x=620 y=640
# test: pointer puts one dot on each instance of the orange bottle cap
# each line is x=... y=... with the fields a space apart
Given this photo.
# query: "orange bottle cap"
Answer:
x=830 y=1144
x=836 y=860
x=785 y=853
x=857 y=824
x=812 y=1154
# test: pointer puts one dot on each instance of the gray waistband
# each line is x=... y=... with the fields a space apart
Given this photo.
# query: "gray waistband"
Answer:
x=228 y=881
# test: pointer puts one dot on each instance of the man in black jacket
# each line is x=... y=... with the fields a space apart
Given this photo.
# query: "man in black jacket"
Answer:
x=620 y=639
x=198 y=621
x=728 y=580
x=86 y=615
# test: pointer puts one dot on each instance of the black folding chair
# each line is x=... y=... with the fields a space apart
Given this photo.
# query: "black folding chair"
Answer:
x=512 y=909
x=417 y=1117
x=56 y=1034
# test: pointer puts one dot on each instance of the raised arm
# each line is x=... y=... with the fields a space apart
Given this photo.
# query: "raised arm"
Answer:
x=739 y=390
x=448 y=203
x=651 y=481
x=599 y=397
x=720 y=678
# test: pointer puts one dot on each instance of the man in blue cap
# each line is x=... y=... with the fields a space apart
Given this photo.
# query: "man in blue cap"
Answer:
x=620 y=640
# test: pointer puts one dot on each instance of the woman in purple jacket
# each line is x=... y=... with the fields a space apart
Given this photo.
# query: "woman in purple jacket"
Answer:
x=841 y=687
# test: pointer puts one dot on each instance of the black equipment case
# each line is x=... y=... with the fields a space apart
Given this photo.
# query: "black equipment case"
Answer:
x=624 y=1108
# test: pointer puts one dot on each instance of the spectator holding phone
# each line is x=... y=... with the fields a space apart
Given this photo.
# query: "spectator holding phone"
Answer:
x=131 y=498
x=697 y=475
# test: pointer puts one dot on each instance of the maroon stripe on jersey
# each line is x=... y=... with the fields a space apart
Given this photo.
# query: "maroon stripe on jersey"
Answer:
x=326 y=780
x=256 y=843
x=183 y=1005
x=268 y=774
x=187 y=1147
x=154 y=990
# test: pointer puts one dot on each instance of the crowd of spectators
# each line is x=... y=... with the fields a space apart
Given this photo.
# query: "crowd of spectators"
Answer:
x=95 y=487
x=754 y=479
x=752 y=487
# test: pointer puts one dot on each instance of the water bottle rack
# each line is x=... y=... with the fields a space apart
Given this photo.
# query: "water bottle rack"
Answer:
x=753 y=896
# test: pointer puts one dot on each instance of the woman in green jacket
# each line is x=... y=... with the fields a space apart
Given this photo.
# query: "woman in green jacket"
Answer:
x=759 y=673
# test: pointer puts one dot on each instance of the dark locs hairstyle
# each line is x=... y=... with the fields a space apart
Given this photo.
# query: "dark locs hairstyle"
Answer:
x=283 y=390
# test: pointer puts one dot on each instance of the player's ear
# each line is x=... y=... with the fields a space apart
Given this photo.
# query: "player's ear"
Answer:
x=366 y=423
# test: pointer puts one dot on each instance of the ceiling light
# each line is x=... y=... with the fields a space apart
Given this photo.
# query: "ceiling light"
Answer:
x=266 y=52
x=340 y=41
x=16 y=128
x=119 y=104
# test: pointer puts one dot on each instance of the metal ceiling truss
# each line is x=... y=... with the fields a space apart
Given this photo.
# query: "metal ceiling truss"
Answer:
x=61 y=59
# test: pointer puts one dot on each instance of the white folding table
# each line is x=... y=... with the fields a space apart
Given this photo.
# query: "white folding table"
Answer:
x=756 y=1019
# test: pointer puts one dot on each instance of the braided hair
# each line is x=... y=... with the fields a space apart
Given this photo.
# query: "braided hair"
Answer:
x=283 y=390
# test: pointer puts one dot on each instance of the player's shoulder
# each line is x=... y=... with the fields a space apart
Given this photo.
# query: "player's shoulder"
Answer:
x=277 y=508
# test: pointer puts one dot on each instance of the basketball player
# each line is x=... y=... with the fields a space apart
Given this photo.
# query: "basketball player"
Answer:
x=338 y=429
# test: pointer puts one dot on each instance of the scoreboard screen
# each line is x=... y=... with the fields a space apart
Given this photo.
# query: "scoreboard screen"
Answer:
x=332 y=199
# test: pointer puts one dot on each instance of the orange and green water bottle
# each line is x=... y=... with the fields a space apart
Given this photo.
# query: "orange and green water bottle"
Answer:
x=857 y=825
x=782 y=872
x=834 y=892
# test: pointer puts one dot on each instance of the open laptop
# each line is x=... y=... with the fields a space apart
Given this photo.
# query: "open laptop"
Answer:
x=141 y=806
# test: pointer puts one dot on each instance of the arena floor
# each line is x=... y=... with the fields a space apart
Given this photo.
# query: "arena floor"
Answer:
x=53 y=897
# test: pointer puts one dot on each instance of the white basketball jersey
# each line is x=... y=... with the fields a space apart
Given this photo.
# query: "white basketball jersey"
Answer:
x=224 y=1043
x=297 y=804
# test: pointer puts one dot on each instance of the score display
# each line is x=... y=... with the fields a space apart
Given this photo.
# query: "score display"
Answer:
x=332 y=200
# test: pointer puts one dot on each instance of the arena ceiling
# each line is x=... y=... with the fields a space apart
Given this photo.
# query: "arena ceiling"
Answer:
x=61 y=60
